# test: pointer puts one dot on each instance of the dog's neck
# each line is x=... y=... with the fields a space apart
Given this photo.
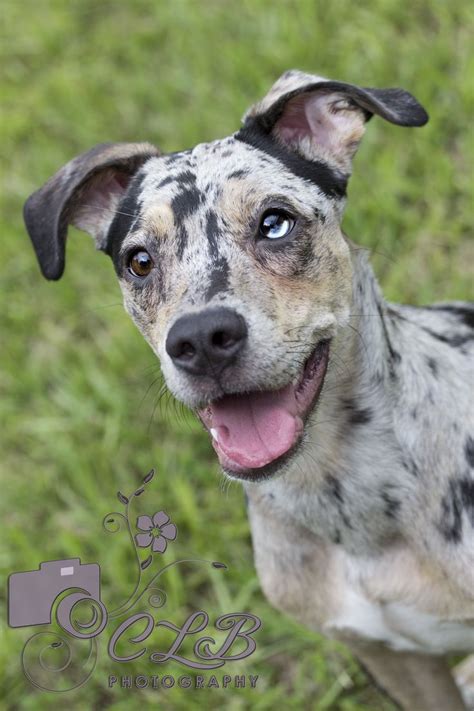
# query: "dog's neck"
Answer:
x=350 y=480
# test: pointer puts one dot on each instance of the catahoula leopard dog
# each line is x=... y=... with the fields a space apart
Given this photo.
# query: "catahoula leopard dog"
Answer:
x=348 y=420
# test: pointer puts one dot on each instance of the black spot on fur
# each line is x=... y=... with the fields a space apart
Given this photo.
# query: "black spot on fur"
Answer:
x=334 y=488
x=331 y=182
x=186 y=202
x=360 y=416
x=212 y=233
x=171 y=158
x=455 y=339
x=466 y=488
x=394 y=358
x=465 y=313
x=469 y=451
x=357 y=415
x=218 y=278
x=181 y=240
x=450 y=524
x=165 y=181
x=459 y=498
x=432 y=365
x=238 y=174
x=319 y=215
x=410 y=466
x=391 y=503
x=185 y=178
x=335 y=492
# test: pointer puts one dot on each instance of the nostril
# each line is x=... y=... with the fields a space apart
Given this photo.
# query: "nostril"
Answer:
x=222 y=339
x=186 y=350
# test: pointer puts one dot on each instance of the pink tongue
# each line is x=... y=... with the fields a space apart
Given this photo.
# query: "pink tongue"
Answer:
x=253 y=430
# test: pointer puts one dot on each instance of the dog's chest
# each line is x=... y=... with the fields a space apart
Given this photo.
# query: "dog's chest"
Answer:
x=392 y=597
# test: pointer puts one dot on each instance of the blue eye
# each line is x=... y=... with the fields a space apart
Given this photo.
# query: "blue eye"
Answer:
x=276 y=224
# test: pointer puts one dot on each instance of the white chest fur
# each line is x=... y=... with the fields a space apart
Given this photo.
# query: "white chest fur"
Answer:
x=386 y=601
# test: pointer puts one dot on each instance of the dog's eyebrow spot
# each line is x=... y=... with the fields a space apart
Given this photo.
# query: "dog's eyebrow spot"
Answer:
x=218 y=278
x=469 y=450
x=158 y=219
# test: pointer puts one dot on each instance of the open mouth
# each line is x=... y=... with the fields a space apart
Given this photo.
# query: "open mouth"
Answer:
x=254 y=433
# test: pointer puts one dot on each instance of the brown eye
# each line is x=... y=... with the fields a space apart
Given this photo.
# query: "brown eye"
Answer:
x=140 y=263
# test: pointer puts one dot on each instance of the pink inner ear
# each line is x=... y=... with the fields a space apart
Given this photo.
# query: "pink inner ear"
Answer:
x=99 y=200
x=293 y=124
x=122 y=179
x=106 y=188
x=328 y=120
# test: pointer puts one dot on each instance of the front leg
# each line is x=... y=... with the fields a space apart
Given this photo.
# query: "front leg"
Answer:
x=417 y=682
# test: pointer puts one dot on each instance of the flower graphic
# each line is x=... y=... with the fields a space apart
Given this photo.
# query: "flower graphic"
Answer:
x=158 y=530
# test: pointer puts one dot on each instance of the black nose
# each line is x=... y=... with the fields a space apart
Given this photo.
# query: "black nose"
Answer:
x=206 y=342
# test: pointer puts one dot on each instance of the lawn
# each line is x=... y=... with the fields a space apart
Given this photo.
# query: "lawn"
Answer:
x=80 y=408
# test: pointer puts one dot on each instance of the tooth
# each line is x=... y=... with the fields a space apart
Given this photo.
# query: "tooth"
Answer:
x=214 y=434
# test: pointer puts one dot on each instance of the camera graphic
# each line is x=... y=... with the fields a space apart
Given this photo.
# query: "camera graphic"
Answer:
x=31 y=594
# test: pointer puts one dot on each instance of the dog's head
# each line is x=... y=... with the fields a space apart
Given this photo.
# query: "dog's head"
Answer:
x=230 y=256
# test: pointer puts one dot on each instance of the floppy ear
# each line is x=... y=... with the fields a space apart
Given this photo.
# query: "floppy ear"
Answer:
x=85 y=193
x=326 y=119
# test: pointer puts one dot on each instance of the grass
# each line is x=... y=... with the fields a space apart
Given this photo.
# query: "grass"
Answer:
x=79 y=385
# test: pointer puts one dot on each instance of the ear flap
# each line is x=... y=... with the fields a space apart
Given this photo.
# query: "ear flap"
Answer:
x=326 y=119
x=85 y=193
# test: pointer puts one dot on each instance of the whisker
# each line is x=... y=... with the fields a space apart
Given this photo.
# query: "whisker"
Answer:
x=112 y=211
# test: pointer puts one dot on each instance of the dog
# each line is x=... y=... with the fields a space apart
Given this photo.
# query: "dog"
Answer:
x=348 y=420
